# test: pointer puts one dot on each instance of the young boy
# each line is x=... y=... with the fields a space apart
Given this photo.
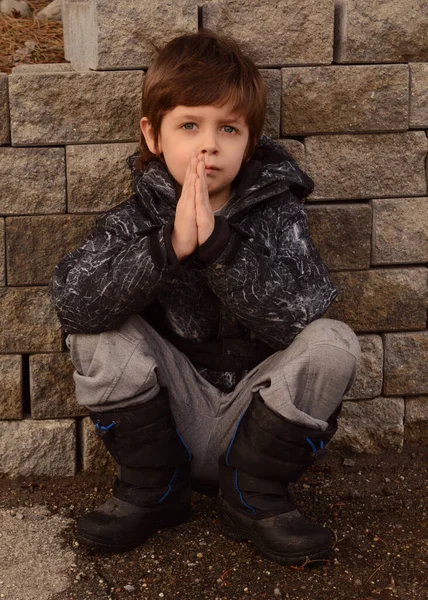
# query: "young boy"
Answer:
x=193 y=312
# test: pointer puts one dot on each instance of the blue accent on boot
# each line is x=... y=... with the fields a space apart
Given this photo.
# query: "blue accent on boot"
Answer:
x=312 y=445
x=185 y=445
x=103 y=428
x=240 y=494
x=226 y=460
x=169 y=486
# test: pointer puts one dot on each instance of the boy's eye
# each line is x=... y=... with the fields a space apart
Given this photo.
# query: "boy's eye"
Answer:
x=229 y=129
x=188 y=126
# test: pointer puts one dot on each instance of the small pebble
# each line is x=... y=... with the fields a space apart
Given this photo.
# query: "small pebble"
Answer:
x=200 y=555
x=277 y=592
x=349 y=462
x=129 y=588
x=354 y=494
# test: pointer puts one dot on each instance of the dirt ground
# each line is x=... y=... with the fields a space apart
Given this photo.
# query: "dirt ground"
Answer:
x=375 y=505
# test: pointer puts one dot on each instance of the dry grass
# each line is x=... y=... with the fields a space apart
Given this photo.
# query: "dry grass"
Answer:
x=26 y=40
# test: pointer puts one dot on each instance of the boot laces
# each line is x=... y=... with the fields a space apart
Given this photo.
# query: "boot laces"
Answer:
x=103 y=429
x=316 y=452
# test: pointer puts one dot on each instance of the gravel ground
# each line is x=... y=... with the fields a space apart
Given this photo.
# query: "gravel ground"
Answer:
x=376 y=507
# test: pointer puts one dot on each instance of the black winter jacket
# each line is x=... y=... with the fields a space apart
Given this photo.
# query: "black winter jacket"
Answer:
x=244 y=294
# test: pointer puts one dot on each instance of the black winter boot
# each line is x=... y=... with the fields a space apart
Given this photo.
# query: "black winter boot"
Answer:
x=266 y=453
x=152 y=489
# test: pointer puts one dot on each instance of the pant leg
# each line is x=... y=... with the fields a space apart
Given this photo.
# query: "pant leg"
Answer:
x=307 y=381
x=304 y=383
x=127 y=366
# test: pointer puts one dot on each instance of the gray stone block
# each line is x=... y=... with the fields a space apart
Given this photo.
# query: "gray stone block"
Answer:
x=272 y=78
x=381 y=299
x=416 y=420
x=2 y=256
x=10 y=387
x=94 y=454
x=42 y=68
x=98 y=177
x=419 y=95
x=123 y=35
x=368 y=383
x=83 y=107
x=342 y=234
x=32 y=180
x=4 y=110
x=36 y=244
x=406 y=363
x=384 y=165
x=400 y=231
x=38 y=448
x=345 y=99
x=279 y=32
x=28 y=321
x=387 y=31
x=52 y=387
x=371 y=426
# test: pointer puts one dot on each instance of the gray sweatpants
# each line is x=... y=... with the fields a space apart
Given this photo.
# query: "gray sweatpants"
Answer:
x=304 y=383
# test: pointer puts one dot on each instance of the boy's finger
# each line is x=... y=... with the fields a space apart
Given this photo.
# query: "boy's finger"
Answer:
x=203 y=176
x=193 y=164
x=199 y=194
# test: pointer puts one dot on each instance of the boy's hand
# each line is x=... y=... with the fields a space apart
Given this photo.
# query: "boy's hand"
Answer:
x=204 y=212
x=184 y=236
x=194 y=216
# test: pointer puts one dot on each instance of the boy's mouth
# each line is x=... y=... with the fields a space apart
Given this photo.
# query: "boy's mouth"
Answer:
x=211 y=168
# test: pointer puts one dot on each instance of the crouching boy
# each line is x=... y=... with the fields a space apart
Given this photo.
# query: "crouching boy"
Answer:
x=193 y=313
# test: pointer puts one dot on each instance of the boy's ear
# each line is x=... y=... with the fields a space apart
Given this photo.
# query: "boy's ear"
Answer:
x=147 y=131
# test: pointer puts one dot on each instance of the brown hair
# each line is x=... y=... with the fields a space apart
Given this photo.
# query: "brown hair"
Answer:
x=202 y=69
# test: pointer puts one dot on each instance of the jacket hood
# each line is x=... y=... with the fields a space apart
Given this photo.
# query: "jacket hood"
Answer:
x=269 y=172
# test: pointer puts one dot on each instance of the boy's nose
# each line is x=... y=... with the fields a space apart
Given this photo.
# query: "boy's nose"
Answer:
x=208 y=150
x=209 y=145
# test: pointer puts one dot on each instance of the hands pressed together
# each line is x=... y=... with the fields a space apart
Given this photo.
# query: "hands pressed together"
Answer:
x=194 y=216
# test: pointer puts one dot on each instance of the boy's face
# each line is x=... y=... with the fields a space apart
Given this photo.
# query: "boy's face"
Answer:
x=215 y=133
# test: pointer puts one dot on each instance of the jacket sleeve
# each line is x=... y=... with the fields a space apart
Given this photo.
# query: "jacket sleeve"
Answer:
x=114 y=274
x=273 y=281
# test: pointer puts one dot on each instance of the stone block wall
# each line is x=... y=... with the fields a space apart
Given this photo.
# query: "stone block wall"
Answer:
x=347 y=93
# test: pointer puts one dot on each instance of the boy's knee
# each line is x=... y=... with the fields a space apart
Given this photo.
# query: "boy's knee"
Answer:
x=332 y=333
x=112 y=367
x=109 y=346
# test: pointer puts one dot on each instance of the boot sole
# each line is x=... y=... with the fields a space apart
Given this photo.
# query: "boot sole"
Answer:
x=111 y=546
x=238 y=532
